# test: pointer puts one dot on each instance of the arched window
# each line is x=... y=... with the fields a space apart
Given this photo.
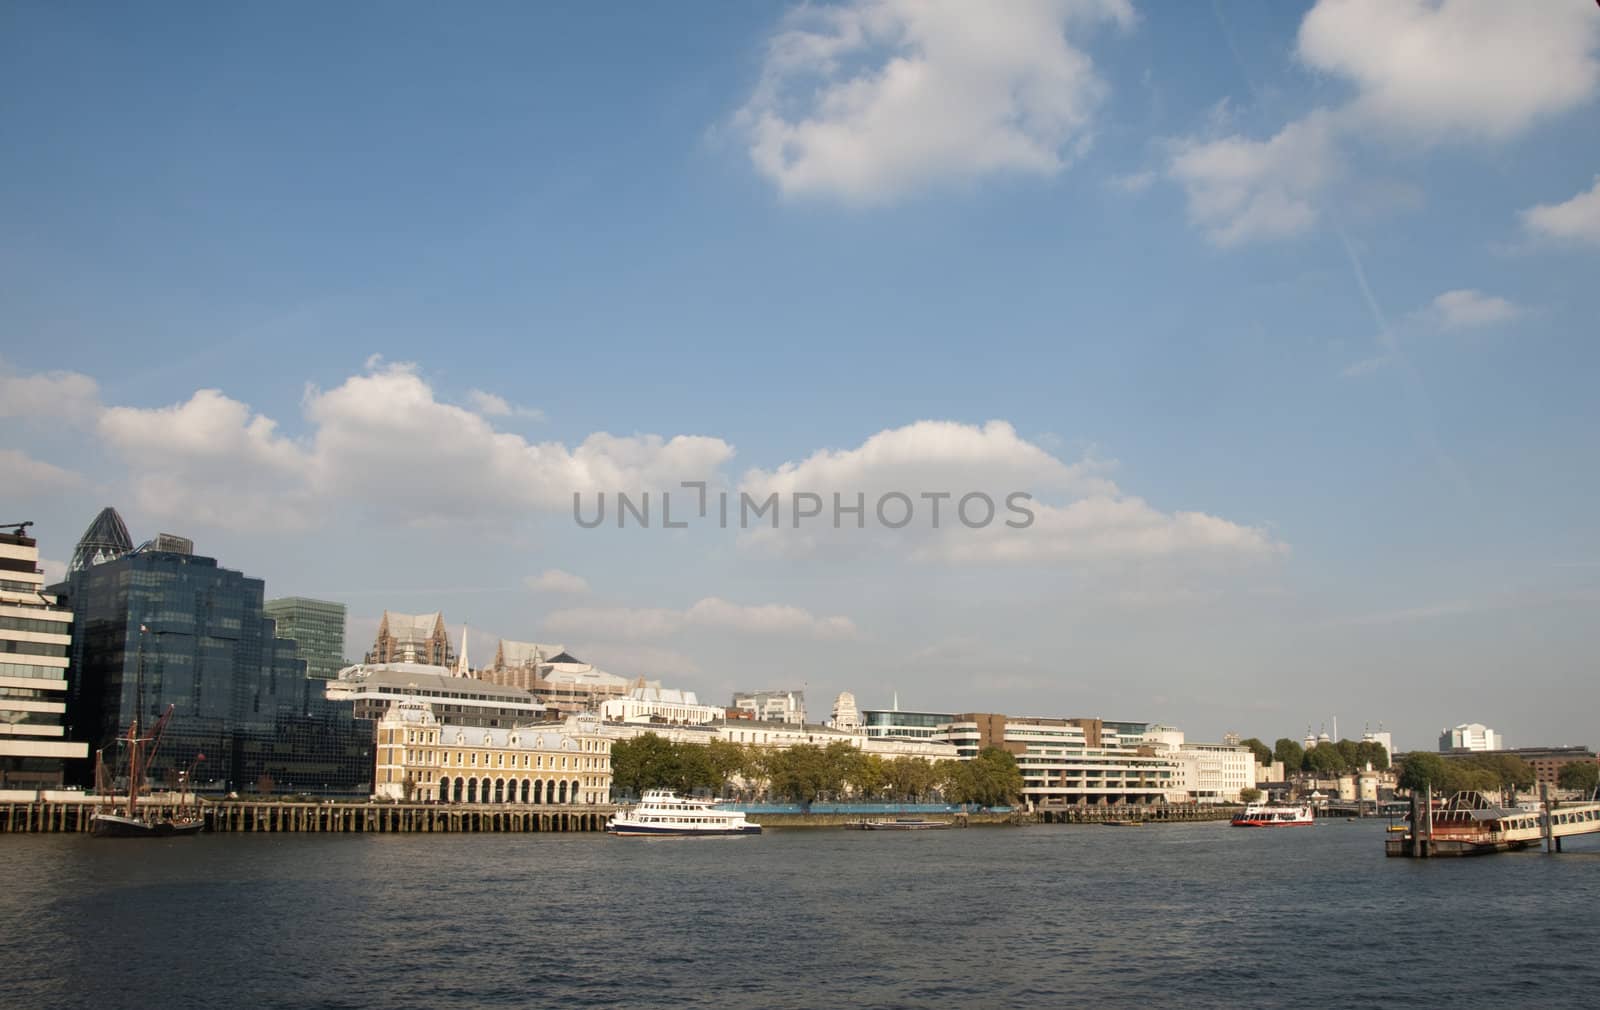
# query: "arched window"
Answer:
x=472 y=790
x=563 y=793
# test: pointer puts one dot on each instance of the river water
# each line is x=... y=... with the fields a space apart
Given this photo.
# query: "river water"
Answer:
x=1192 y=914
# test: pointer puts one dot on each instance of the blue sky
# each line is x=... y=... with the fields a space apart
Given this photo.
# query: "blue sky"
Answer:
x=1258 y=263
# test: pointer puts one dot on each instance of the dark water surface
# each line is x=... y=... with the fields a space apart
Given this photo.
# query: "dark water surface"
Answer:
x=1194 y=915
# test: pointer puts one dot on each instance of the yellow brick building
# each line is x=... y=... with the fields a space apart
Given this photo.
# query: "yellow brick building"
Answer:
x=423 y=760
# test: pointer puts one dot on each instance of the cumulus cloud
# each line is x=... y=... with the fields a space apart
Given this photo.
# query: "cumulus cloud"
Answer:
x=710 y=612
x=26 y=475
x=554 y=580
x=383 y=441
x=49 y=396
x=1469 y=69
x=1574 y=220
x=492 y=405
x=1079 y=514
x=1467 y=308
x=1241 y=190
x=1105 y=528
x=871 y=99
x=1422 y=72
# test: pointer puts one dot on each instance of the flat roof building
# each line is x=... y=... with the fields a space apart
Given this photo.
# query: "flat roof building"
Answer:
x=373 y=688
x=1071 y=761
x=317 y=629
x=35 y=637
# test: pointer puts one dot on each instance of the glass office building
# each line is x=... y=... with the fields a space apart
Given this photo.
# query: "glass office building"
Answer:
x=158 y=628
x=317 y=628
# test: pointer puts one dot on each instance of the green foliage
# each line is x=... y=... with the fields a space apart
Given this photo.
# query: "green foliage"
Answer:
x=1249 y=795
x=1373 y=753
x=1262 y=752
x=990 y=779
x=1290 y=753
x=1583 y=775
x=1325 y=759
x=1422 y=769
x=649 y=761
x=1485 y=773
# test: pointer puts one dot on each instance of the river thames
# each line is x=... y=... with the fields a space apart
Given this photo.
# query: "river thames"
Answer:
x=1198 y=914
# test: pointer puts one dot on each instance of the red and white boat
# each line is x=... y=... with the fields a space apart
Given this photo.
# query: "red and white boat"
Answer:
x=1258 y=815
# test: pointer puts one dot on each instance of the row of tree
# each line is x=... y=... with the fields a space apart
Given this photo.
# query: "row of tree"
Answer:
x=1488 y=772
x=1326 y=758
x=805 y=773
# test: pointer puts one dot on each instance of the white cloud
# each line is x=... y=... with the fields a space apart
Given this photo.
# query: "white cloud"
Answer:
x=25 y=475
x=491 y=405
x=384 y=442
x=1105 y=528
x=1095 y=522
x=1136 y=182
x=49 y=396
x=1577 y=219
x=927 y=456
x=1461 y=309
x=1423 y=71
x=554 y=580
x=1473 y=69
x=871 y=99
x=710 y=612
x=1467 y=308
x=211 y=460
x=1242 y=190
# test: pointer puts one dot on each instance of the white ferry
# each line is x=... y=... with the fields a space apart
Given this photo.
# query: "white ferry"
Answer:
x=664 y=812
x=1258 y=815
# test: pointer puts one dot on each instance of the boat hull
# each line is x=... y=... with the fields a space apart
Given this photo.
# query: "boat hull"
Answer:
x=118 y=826
x=1272 y=824
x=649 y=830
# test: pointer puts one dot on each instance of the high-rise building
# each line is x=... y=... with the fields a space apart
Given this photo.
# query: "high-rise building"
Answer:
x=1472 y=736
x=411 y=638
x=158 y=628
x=35 y=635
x=317 y=628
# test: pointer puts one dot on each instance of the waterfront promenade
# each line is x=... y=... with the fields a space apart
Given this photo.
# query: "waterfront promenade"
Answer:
x=359 y=817
x=270 y=816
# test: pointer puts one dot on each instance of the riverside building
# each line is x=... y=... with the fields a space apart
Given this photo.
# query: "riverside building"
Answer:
x=1070 y=761
x=317 y=630
x=35 y=635
x=374 y=688
x=564 y=683
x=1470 y=736
x=421 y=759
x=646 y=704
x=411 y=638
x=169 y=627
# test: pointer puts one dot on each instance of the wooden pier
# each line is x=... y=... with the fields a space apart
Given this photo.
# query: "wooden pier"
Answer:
x=239 y=816
x=1469 y=824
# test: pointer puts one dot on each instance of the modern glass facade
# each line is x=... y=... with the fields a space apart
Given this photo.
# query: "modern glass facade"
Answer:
x=158 y=628
x=317 y=628
x=893 y=724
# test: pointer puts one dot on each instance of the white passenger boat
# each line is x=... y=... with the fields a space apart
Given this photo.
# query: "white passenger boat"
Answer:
x=664 y=812
x=1258 y=815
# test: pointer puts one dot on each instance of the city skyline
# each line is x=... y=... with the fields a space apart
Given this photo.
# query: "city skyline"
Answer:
x=1293 y=350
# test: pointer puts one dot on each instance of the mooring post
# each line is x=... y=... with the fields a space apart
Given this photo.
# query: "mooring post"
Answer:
x=1549 y=831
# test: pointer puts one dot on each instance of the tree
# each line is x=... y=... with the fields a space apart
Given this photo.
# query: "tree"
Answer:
x=1262 y=752
x=1249 y=795
x=1421 y=770
x=1373 y=753
x=1349 y=751
x=1290 y=753
x=1324 y=759
x=990 y=779
x=1583 y=775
